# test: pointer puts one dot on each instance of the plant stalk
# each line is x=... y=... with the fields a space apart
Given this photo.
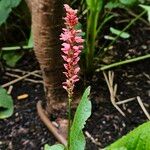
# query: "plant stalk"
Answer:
x=69 y=119
x=123 y=62
x=91 y=36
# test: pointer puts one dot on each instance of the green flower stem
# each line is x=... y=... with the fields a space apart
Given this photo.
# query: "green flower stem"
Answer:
x=123 y=62
x=69 y=120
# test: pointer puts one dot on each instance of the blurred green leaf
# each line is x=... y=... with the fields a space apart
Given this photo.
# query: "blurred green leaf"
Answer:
x=79 y=27
x=54 y=147
x=129 y=3
x=113 y=4
x=95 y=5
x=147 y=8
x=12 y=58
x=90 y=4
x=124 y=35
x=83 y=112
x=138 y=139
x=6 y=104
x=6 y=7
x=30 y=41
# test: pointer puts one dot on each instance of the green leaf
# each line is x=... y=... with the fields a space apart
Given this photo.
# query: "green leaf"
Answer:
x=113 y=4
x=6 y=7
x=124 y=35
x=138 y=139
x=54 y=147
x=12 y=58
x=79 y=27
x=90 y=4
x=95 y=5
x=147 y=8
x=30 y=41
x=83 y=112
x=128 y=3
x=6 y=104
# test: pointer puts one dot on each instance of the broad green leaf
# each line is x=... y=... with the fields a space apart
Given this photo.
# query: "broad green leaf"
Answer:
x=138 y=139
x=12 y=58
x=83 y=112
x=6 y=104
x=121 y=34
x=147 y=8
x=54 y=147
x=6 y=7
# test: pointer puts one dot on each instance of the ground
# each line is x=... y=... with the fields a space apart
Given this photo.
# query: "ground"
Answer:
x=25 y=131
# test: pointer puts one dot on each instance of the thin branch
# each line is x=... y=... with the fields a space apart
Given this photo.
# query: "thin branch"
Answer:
x=10 y=90
x=126 y=101
x=146 y=75
x=37 y=74
x=18 y=79
x=49 y=124
x=92 y=139
x=143 y=107
x=135 y=15
x=26 y=79
x=112 y=90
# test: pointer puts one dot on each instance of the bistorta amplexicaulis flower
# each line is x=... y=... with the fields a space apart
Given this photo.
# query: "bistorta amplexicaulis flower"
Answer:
x=72 y=46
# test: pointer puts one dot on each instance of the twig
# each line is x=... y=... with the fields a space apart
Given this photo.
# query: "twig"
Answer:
x=49 y=124
x=10 y=90
x=126 y=101
x=17 y=76
x=143 y=107
x=112 y=90
x=18 y=79
x=146 y=75
x=135 y=15
x=92 y=139
x=24 y=72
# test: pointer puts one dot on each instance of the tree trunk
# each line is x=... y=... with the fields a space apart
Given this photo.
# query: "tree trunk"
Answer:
x=46 y=27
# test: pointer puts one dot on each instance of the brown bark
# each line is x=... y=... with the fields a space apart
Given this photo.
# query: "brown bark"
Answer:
x=46 y=27
x=29 y=4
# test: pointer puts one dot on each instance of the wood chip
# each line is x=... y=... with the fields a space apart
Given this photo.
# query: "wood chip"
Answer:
x=23 y=96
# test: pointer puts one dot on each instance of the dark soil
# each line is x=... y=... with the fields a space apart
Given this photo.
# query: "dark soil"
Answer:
x=25 y=131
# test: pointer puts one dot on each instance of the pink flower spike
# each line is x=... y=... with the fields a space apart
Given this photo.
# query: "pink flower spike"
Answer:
x=71 y=48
